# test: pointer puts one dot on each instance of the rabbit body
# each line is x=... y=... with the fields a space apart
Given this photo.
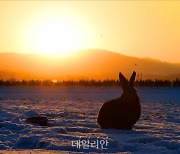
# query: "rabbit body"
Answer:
x=123 y=112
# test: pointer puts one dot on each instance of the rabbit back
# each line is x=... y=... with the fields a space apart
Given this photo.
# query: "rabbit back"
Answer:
x=119 y=114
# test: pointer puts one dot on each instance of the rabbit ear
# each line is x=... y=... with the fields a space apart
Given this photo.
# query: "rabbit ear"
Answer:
x=132 y=79
x=123 y=81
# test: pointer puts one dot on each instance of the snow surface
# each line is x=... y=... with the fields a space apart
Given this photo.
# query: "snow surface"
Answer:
x=156 y=94
x=157 y=131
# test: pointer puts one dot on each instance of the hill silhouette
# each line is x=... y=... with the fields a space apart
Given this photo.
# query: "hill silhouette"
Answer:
x=86 y=64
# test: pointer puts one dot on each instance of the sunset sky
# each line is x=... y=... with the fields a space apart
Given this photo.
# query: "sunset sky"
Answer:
x=134 y=28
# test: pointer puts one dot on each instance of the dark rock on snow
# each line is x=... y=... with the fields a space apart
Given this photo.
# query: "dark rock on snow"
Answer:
x=42 y=121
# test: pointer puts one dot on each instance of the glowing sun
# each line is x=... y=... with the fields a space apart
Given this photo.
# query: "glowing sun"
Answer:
x=57 y=38
x=54 y=35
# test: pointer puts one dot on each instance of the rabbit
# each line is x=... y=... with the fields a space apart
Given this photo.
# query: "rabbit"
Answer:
x=123 y=112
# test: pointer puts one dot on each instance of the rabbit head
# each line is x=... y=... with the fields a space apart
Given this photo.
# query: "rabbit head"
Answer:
x=128 y=86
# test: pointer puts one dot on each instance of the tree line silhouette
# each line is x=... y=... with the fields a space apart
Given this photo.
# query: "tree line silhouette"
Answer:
x=138 y=83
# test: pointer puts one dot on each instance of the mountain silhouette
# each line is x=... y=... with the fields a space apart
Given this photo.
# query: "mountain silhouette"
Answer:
x=85 y=64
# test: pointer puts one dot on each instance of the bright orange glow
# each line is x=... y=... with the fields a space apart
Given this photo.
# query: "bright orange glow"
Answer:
x=56 y=35
x=134 y=28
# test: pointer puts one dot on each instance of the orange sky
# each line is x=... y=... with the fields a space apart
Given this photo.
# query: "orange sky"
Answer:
x=135 y=28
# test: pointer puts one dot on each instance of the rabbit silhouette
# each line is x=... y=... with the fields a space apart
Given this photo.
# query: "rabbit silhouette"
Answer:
x=123 y=112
